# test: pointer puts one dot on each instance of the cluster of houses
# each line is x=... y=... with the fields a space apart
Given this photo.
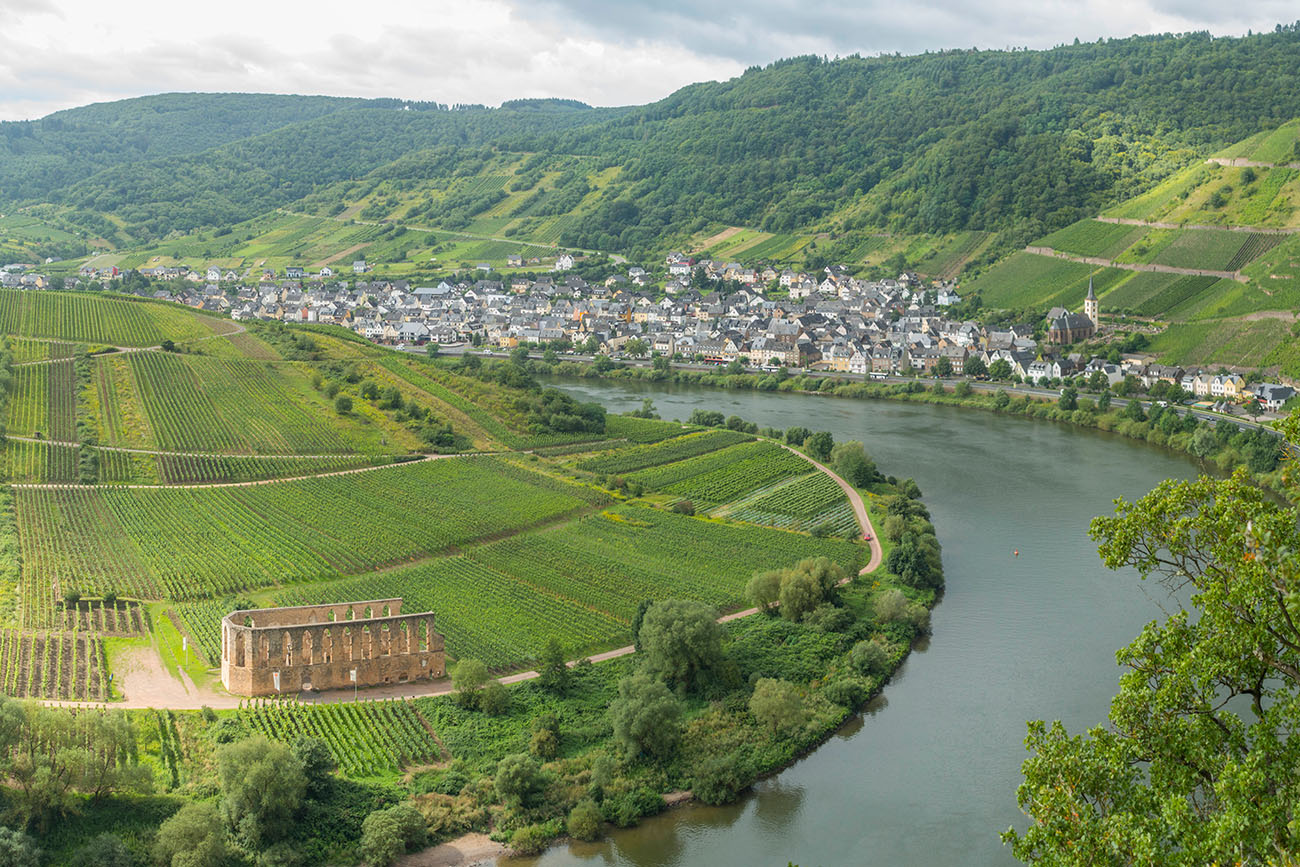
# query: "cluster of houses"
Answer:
x=829 y=321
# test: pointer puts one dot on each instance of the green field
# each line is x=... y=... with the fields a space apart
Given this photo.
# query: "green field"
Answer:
x=804 y=503
x=186 y=543
x=579 y=582
x=1093 y=238
x=639 y=457
x=1027 y=280
x=102 y=319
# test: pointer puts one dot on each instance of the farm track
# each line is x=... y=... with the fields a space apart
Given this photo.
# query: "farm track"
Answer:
x=167 y=454
x=187 y=696
x=1155 y=224
x=1242 y=162
x=1135 y=266
x=348 y=472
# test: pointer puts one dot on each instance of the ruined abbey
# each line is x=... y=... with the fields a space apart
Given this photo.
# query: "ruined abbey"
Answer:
x=279 y=651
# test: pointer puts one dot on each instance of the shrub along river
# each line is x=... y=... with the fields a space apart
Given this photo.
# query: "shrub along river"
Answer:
x=927 y=774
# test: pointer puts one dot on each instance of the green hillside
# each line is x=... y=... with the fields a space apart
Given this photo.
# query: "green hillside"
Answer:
x=803 y=151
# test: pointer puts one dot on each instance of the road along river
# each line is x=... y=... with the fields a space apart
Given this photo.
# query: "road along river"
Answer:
x=927 y=774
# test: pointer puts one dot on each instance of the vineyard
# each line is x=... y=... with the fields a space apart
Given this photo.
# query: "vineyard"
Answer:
x=120 y=618
x=53 y=665
x=367 y=739
x=1210 y=249
x=28 y=462
x=210 y=405
x=578 y=582
x=84 y=317
x=640 y=457
x=188 y=543
x=803 y=504
x=1093 y=238
x=721 y=476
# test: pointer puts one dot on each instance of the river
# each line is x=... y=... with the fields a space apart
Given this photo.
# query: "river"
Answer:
x=927 y=774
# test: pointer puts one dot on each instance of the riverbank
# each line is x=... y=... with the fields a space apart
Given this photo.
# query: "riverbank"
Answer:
x=1222 y=446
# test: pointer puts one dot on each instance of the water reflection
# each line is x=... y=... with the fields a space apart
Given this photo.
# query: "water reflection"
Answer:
x=927 y=774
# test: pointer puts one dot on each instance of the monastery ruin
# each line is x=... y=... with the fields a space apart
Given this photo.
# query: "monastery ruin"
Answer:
x=279 y=651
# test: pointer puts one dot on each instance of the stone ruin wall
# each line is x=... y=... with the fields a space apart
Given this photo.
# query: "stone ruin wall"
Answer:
x=320 y=646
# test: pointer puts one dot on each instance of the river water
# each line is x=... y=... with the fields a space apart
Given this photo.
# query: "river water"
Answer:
x=927 y=774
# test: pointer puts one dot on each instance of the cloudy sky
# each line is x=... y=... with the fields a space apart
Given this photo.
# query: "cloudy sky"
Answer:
x=63 y=53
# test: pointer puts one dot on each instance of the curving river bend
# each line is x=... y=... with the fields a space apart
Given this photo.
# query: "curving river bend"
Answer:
x=927 y=774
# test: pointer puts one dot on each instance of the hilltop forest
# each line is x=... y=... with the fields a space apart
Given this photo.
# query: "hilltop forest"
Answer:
x=1014 y=142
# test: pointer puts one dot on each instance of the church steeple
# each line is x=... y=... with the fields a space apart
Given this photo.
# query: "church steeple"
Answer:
x=1090 y=305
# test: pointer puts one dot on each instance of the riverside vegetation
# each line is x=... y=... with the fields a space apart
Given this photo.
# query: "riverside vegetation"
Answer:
x=614 y=530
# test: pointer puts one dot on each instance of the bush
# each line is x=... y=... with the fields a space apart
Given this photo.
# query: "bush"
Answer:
x=850 y=692
x=468 y=678
x=343 y=404
x=623 y=810
x=869 y=658
x=518 y=779
x=495 y=699
x=544 y=744
x=720 y=779
x=777 y=705
x=530 y=840
x=584 y=822
x=646 y=717
x=684 y=507
x=387 y=834
x=194 y=837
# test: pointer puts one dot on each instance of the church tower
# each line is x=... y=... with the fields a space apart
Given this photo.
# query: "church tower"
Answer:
x=1090 y=306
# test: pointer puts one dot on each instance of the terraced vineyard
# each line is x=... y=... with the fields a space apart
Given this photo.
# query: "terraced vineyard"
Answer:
x=579 y=582
x=210 y=405
x=803 y=504
x=84 y=317
x=640 y=457
x=1094 y=238
x=368 y=739
x=54 y=665
x=183 y=543
x=27 y=462
x=722 y=476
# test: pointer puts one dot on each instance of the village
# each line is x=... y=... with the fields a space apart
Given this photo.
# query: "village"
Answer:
x=762 y=318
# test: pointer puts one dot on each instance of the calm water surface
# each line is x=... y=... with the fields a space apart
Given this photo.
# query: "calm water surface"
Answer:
x=927 y=775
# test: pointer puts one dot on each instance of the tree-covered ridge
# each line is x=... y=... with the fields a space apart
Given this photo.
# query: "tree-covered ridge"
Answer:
x=40 y=156
x=1020 y=142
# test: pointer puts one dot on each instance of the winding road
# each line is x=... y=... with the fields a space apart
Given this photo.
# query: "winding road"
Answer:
x=150 y=686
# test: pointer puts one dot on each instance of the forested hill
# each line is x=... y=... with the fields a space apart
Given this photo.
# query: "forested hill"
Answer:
x=1019 y=142
x=38 y=157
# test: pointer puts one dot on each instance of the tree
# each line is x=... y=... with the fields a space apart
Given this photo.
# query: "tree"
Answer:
x=1000 y=369
x=468 y=678
x=851 y=461
x=262 y=786
x=777 y=705
x=194 y=837
x=636 y=347
x=1069 y=399
x=317 y=762
x=387 y=834
x=519 y=779
x=869 y=657
x=764 y=589
x=646 y=717
x=585 y=821
x=104 y=850
x=17 y=849
x=943 y=368
x=553 y=671
x=1001 y=399
x=796 y=436
x=682 y=641
x=974 y=366
x=1196 y=765
x=494 y=700
x=343 y=404
x=805 y=585
x=819 y=445
x=1103 y=400
x=167 y=346
x=432 y=348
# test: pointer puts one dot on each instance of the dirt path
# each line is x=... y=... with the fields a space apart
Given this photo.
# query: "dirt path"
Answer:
x=467 y=851
x=342 y=254
x=65 y=486
x=1242 y=162
x=152 y=691
x=1138 y=266
x=1154 y=224
x=729 y=232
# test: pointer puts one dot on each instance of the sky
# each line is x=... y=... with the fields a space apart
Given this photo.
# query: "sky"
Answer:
x=59 y=54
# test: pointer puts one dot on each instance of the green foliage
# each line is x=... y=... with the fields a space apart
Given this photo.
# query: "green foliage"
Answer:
x=468 y=677
x=870 y=658
x=682 y=641
x=1183 y=773
x=105 y=850
x=494 y=700
x=852 y=463
x=820 y=445
x=194 y=837
x=585 y=821
x=519 y=779
x=318 y=764
x=387 y=834
x=553 y=672
x=646 y=717
x=719 y=779
x=777 y=705
x=262 y=786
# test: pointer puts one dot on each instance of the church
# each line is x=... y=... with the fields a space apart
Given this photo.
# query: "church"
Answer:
x=1064 y=327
